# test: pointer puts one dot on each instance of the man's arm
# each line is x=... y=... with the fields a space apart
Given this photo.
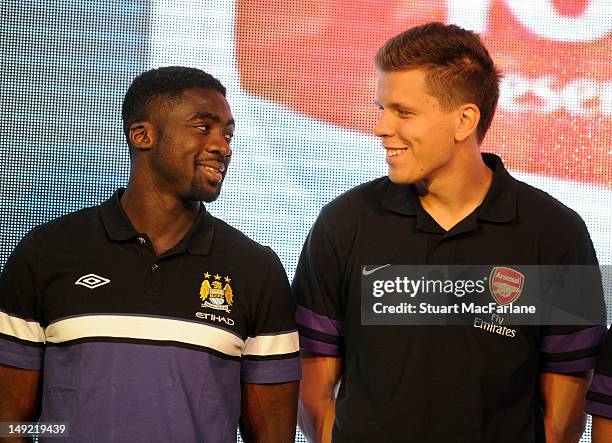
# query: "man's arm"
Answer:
x=563 y=398
x=602 y=430
x=270 y=371
x=599 y=397
x=317 y=406
x=19 y=396
x=268 y=412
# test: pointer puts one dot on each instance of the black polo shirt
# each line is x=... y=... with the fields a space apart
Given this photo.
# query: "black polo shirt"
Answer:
x=144 y=348
x=437 y=384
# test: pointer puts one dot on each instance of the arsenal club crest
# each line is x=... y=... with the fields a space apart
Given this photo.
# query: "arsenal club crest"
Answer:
x=505 y=284
x=215 y=294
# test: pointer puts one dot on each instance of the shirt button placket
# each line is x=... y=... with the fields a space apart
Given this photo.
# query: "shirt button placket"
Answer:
x=155 y=280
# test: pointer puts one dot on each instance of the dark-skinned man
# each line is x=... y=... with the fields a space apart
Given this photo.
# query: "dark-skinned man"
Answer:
x=146 y=318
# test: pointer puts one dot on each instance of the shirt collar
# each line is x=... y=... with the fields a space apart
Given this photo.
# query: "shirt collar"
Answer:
x=499 y=204
x=198 y=240
x=400 y=198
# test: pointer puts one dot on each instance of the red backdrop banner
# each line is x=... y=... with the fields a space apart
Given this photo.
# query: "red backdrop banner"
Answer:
x=555 y=111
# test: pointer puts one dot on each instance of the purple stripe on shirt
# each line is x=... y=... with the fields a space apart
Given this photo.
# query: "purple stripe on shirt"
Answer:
x=141 y=392
x=584 y=339
x=271 y=371
x=583 y=364
x=317 y=322
x=602 y=384
x=600 y=409
x=319 y=347
x=21 y=356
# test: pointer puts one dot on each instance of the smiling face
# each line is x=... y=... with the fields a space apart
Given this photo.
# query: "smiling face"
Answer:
x=191 y=156
x=417 y=133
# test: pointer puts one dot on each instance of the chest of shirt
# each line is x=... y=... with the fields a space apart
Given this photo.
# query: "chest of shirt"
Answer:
x=400 y=242
x=127 y=278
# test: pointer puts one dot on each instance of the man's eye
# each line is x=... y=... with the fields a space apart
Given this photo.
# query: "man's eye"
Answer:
x=404 y=113
x=229 y=137
x=204 y=127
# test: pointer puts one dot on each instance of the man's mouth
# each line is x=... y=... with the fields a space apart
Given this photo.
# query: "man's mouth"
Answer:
x=394 y=152
x=220 y=169
x=213 y=171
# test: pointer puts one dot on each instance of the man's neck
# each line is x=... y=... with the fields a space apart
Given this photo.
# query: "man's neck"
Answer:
x=163 y=218
x=453 y=195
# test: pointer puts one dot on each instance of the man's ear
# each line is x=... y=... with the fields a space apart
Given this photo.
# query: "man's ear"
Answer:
x=468 y=116
x=142 y=135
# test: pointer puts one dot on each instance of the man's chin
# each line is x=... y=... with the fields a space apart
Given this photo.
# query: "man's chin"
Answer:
x=401 y=179
x=205 y=194
x=209 y=198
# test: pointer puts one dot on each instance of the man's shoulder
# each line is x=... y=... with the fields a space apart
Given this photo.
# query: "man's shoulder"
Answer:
x=364 y=196
x=63 y=228
x=561 y=234
x=537 y=205
x=231 y=238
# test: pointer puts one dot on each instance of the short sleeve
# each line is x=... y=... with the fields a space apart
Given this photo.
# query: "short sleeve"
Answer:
x=22 y=337
x=599 y=396
x=317 y=287
x=566 y=348
x=271 y=350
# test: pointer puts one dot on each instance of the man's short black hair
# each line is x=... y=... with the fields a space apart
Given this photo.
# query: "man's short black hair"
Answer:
x=151 y=92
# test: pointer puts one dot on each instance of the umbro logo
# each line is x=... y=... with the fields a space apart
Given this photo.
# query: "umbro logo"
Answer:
x=92 y=281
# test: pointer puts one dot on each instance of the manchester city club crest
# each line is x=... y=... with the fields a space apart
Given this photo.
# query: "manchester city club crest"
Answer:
x=505 y=284
x=216 y=292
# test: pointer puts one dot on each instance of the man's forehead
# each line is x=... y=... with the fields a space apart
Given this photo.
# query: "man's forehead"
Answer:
x=202 y=96
x=406 y=86
x=200 y=102
x=405 y=79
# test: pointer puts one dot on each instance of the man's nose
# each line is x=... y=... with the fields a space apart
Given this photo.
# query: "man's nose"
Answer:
x=383 y=127
x=219 y=143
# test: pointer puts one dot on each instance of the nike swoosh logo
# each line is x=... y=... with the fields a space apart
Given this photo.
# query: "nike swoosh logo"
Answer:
x=368 y=272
